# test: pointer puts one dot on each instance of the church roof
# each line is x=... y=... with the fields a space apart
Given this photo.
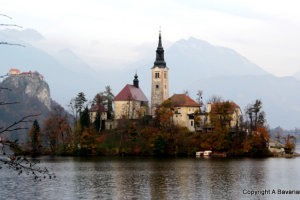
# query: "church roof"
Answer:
x=132 y=93
x=182 y=100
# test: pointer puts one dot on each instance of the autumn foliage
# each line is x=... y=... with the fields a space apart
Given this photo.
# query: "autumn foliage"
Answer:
x=158 y=136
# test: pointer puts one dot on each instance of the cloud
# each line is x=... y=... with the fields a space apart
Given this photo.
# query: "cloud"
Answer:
x=264 y=31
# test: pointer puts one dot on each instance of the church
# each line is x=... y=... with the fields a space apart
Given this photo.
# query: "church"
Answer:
x=131 y=102
x=160 y=78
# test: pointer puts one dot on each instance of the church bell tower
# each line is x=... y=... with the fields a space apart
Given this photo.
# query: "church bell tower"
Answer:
x=160 y=78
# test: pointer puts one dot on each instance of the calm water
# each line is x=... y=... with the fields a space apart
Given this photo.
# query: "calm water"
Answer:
x=148 y=178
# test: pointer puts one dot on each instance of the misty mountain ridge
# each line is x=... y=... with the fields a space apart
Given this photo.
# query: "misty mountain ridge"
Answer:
x=193 y=65
x=212 y=60
x=27 y=35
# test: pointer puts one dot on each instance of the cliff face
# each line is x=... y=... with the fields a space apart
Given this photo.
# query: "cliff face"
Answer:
x=32 y=95
x=29 y=86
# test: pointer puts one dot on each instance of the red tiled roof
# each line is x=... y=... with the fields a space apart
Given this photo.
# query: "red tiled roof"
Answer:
x=231 y=109
x=95 y=109
x=16 y=70
x=130 y=92
x=182 y=100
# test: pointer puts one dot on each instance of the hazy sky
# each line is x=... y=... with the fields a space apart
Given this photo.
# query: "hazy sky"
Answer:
x=267 y=32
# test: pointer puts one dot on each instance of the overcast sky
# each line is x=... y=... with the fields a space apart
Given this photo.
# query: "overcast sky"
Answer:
x=267 y=32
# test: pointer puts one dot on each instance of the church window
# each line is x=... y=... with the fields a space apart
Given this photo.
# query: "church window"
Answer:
x=165 y=86
x=156 y=86
x=192 y=123
x=165 y=74
x=156 y=74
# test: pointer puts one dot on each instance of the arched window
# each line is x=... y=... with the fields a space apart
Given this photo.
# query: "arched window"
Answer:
x=156 y=74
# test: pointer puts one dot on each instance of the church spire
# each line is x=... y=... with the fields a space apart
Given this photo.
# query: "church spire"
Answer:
x=136 y=81
x=160 y=61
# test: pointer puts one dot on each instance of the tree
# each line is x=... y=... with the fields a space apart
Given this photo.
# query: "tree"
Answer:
x=109 y=101
x=255 y=115
x=56 y=128
x=73 y=110
x=100 y=103
x=215 y=99
x=290 y=142
x=35 y=135
x=164 y=115
x=19 y=163
x=220 y=117
x=79 y=102
x=85 y=118
x=199 y=96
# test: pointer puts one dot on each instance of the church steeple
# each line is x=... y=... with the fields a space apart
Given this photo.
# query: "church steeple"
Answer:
x=136 y=81
x=160 y=60
x=160 y=79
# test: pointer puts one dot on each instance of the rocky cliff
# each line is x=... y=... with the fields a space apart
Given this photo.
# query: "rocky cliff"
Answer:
x=32 y=96
x=29 y=86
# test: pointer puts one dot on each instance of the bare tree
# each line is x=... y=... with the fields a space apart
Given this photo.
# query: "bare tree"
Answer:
x=215 y=99
x=12 y=160
x=199 y=96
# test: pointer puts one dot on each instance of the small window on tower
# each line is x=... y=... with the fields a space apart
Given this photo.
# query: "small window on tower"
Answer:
x=156 y=74
x=165 y=74
x=156 y=86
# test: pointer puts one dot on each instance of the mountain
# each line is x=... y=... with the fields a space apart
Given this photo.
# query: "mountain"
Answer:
x=64 y=82
x=193 y=65
x=278 y=94
x=24 y=35
x=31 y=95
x=297 y=75
x=197 y=65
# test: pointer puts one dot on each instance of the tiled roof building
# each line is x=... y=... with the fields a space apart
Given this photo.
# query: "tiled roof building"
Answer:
x=131 y=102
x=184 y=107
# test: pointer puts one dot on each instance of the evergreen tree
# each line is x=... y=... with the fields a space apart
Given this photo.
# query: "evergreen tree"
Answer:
x=85 y=118
x=97 y=122
x=79 y=102
x=35 y=135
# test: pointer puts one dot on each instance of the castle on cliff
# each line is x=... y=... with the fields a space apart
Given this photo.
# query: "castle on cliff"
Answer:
x=16 y=72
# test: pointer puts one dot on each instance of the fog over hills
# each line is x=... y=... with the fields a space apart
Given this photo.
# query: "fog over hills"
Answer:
x=64 y=83
x=193 y=65
x=297 y=75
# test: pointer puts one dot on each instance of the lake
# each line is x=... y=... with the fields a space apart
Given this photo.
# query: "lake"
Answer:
x=156 y=178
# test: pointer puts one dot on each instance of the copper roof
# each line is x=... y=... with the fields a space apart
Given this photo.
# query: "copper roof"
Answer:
x=182 y=100
x=132 y=93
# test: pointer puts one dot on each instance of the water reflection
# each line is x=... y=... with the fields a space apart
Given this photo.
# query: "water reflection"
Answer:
x=137 y=178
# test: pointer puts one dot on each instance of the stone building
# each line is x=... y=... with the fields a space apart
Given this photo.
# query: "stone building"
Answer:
x=160 y=79
x=234 y=112
x=93 y=113
x=131 y=102
x=14 y=72
x=185 y=107
x=204 y=117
